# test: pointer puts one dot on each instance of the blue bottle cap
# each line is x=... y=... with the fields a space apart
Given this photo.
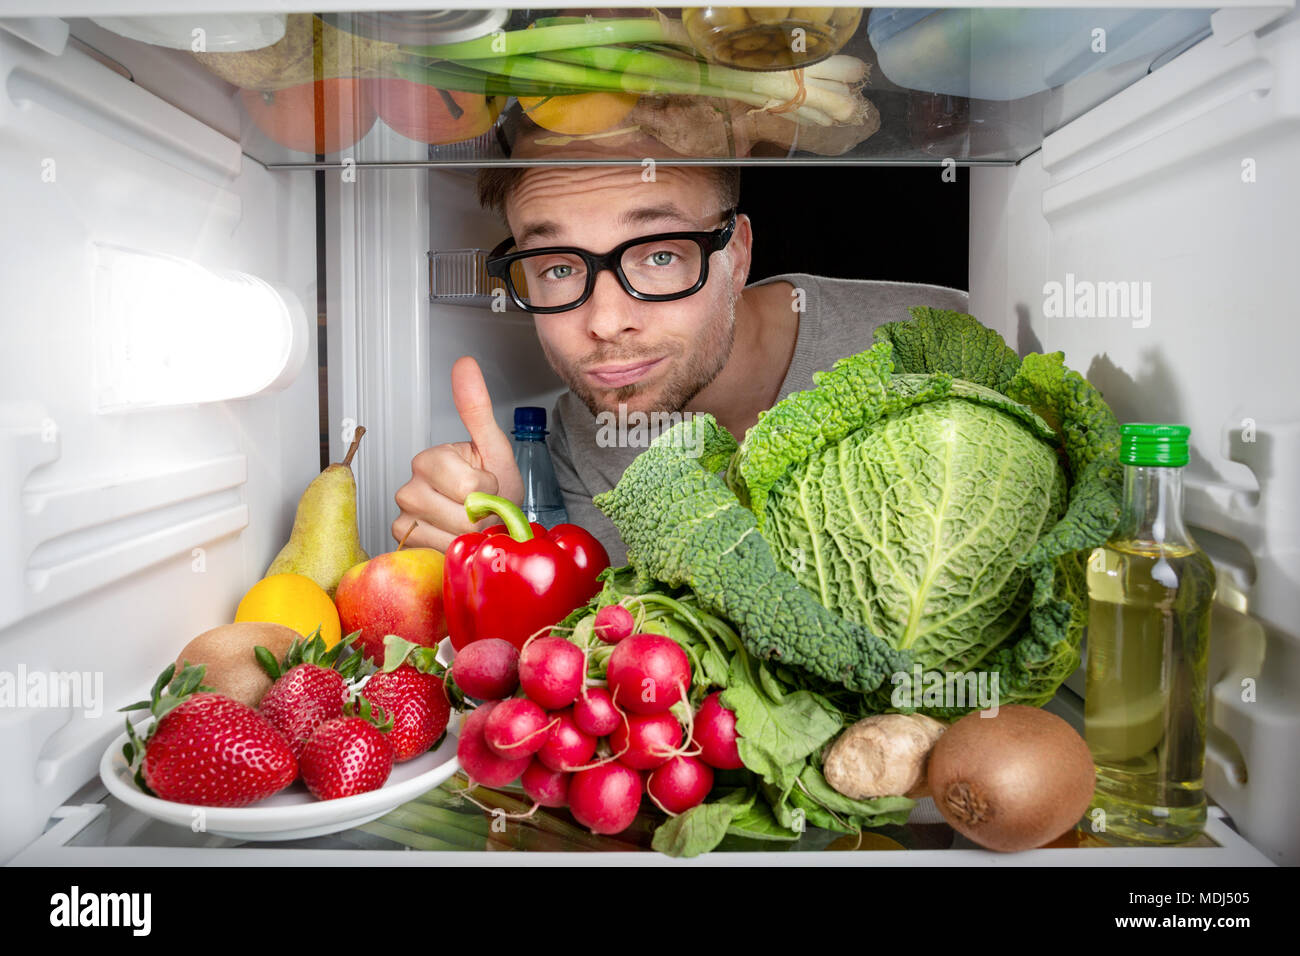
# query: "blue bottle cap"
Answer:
x=530 y=418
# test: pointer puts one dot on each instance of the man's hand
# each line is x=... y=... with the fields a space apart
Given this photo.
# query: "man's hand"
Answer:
x=443 y=476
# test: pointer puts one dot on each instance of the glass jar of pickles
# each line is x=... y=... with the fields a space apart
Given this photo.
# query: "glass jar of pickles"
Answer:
x=769 y=38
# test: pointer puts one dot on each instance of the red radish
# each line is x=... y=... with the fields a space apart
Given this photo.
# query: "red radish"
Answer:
x=646 y=741
x=614 y=623
x=487 y=669
x=605 y=799
x=594 y=712
x=517 y=728
x=552 y=671
x=544 y=786
x=715 y=734
x=477 y=758
x=567 y=746
x=648 y=673
x=683 y=782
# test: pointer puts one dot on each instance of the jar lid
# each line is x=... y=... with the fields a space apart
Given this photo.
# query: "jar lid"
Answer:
x=1148 y=444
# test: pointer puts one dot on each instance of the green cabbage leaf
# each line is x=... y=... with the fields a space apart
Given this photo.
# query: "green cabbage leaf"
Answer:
x=928 y=503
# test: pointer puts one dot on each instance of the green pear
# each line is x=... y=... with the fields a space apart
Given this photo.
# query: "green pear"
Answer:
x=325 y=541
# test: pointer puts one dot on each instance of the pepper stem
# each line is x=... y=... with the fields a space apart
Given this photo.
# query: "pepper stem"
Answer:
x=478 y=505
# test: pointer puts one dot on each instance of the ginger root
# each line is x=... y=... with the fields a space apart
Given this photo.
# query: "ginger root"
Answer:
x=705 y=127
x=883 y=756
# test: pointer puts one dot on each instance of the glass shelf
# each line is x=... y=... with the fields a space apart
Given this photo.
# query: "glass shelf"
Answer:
x=442 y=828
x=441 y=822
x=969 y=86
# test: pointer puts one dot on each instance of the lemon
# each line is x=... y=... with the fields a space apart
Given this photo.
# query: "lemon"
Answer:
x=295 y=601
x=579 y=114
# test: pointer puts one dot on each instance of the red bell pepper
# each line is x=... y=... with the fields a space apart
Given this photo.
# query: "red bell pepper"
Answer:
x=516 y=578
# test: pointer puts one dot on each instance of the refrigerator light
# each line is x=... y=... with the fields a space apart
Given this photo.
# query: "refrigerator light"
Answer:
x=169 y=331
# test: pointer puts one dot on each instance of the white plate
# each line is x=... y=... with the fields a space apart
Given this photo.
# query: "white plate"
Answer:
x=293 y=813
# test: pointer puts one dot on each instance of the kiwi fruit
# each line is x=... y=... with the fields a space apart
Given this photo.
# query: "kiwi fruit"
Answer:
x=1013 y=781
x=232 y=667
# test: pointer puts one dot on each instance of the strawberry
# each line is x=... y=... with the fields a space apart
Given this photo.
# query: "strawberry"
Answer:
x=308 y=689
x=205 y=748
x=417 y=705
x=346 y=755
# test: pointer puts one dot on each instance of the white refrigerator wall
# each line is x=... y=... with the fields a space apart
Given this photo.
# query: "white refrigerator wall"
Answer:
x=391 y=349
x=127 y=531
x=1182 y=190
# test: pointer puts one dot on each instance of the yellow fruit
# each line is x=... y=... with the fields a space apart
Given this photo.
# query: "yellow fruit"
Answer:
x=579 y=113
x=295 y=601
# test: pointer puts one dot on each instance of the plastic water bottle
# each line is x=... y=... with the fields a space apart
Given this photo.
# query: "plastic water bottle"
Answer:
x=542 y=500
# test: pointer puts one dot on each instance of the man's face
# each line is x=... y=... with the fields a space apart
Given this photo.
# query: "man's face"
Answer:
x=613 y=349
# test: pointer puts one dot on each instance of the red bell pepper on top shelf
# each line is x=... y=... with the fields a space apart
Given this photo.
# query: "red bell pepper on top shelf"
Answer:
x=516 y=578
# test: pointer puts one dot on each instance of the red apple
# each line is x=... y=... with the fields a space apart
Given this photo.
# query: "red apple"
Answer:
x=395 y=593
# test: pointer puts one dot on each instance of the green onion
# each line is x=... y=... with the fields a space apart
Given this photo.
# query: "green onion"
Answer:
x=561 y=56
x=676 y=76
x=563 y=36
x=580 y=74
x=765 y=86
x=452 y=76
x=415 y=840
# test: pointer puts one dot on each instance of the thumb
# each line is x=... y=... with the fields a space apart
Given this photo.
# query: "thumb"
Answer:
x=495 y=451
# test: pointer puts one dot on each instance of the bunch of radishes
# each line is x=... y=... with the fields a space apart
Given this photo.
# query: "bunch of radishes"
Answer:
x=596 y=749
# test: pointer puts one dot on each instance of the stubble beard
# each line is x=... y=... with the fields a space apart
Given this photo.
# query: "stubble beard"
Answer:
x=699 y=369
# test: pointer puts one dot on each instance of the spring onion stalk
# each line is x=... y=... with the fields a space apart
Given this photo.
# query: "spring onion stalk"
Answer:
x=545 y=821
x=778 y=86
x=562 y=56
x=582 y=74
x=563 y=36
x=451 y=76
x=688 y=78
x=842 y=68
x=449 y=826
x=415 y=840
x=834 y=86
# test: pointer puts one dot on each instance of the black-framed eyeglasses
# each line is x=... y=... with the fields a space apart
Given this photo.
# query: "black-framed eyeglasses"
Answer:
x=658 y=268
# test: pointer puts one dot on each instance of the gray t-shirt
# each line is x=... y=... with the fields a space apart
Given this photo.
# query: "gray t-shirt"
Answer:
x=839 y=319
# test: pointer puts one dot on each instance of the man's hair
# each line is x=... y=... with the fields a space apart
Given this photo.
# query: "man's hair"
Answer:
x=496 y=183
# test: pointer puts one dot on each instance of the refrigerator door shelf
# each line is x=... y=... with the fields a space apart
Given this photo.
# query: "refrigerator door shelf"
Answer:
x=131 y=532
x=1166 y=196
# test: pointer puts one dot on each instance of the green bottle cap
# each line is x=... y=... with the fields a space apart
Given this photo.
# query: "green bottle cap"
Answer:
x=1150 y=445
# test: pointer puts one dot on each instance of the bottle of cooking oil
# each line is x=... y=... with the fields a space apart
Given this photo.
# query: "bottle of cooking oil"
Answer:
x=1150 y=592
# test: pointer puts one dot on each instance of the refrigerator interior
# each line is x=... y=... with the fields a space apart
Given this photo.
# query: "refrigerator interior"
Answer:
x=145 y=489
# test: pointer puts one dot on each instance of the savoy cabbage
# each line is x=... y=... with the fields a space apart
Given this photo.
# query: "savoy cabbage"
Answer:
x=930 y=501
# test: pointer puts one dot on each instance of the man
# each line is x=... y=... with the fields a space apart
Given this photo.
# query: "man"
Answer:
x=726 y=348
